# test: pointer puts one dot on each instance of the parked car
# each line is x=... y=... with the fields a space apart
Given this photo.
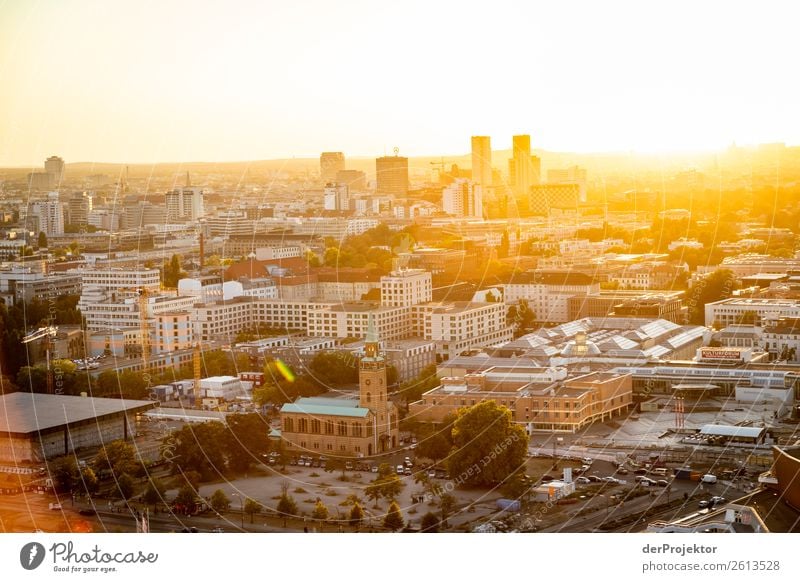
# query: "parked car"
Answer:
x=431 y=474
x=348 y=466
x=717 y=500
x=709 y=478
x=622 y=471
x=662 y=483
x=588 y=460
x=408 y=471
x=594 y=478
x=374 y=469
x=582 y=480
x=400 y=470
x=218 y=530
x=640 y=472
x=585 y=468
x=547 y=478
x=703 y=504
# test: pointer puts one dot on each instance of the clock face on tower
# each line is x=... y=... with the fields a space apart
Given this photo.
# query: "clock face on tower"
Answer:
x=367 y=381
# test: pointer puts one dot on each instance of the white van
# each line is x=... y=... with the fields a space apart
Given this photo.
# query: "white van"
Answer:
x=660 y=471
x=709 y=479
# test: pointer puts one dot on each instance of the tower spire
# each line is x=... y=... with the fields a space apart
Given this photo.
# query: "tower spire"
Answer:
x=372 y=341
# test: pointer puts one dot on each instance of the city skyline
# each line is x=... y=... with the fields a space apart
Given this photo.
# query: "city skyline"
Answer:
x=86 y=85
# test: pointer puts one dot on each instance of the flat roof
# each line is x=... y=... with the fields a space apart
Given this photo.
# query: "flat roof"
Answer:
x=26 y=412
x=732 y=431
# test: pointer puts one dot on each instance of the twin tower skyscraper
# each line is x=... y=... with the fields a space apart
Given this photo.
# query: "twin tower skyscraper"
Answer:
x=524 y=169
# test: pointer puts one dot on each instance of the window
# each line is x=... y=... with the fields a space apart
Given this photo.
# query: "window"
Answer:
x=342 y=428
x=288 y=424
x=369 y=397
x=302 y=425
x=328 y=427
x=315 y=426
x=356 y=429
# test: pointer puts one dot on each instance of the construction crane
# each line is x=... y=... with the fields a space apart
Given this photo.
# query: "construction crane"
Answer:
x=198 y=371
x=46 y=334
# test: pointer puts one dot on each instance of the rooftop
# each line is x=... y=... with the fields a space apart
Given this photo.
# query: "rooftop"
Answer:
x=25 y=412
x=326 y=407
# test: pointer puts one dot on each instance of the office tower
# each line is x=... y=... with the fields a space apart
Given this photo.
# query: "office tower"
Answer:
x=329 y=164
x=482 y=160
x=571 y=175
x=546 y=197
x=79 y=206
x=463 y=198
x=355 y=179
x=523 y=168
x=392 y=175
x=54 y=166
x=49 y=215
x=184 y=204
x=336 y=197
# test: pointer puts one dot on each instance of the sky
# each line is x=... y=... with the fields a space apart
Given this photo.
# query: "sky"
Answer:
x=147 y=81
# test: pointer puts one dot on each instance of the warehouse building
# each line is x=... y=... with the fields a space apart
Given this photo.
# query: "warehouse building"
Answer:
x=36 y=427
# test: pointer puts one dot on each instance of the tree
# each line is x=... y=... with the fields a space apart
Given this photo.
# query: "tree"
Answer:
x=287 y=507
x=65 y=474
x=521 y=317
x=373 y=491
x=412 y=390
x=89 y=479
x=220 y=501
x=173 y=272
x=42 y=242
x=714 y=287
x=125 y=486
x=394 y=519
x=200 y=448
x=154 y=494
x=430 y=523
x=334 y=369
x=186 y=498
x=118 y=457
x=387 y=486
x=320 y=511
x=446 y=505
x=356 y=515
x=247 y=440
x=436 y=444
x=488 y=445
x=252 y=507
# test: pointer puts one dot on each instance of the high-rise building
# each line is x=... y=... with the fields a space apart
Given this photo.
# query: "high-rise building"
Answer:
x=330 y=163
x=54 y=166
x=544 y=198
x=336 y=197
x=356 y=180
x=184 y=204
x=571 y=175
x=482 y=160
x=49 y=215
x=524 y=169
x=463 y=198
x=79 y=206
x=392 y=175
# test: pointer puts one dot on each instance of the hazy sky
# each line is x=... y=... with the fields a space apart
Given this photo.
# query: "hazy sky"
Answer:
x=147 y=81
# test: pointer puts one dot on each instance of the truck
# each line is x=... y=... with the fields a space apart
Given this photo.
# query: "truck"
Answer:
x=683 y=473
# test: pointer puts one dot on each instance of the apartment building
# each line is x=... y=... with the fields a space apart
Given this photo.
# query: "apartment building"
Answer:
x=461 y=325
x=406 y=287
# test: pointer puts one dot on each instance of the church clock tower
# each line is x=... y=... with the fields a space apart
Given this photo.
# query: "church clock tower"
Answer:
x=373 y=392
